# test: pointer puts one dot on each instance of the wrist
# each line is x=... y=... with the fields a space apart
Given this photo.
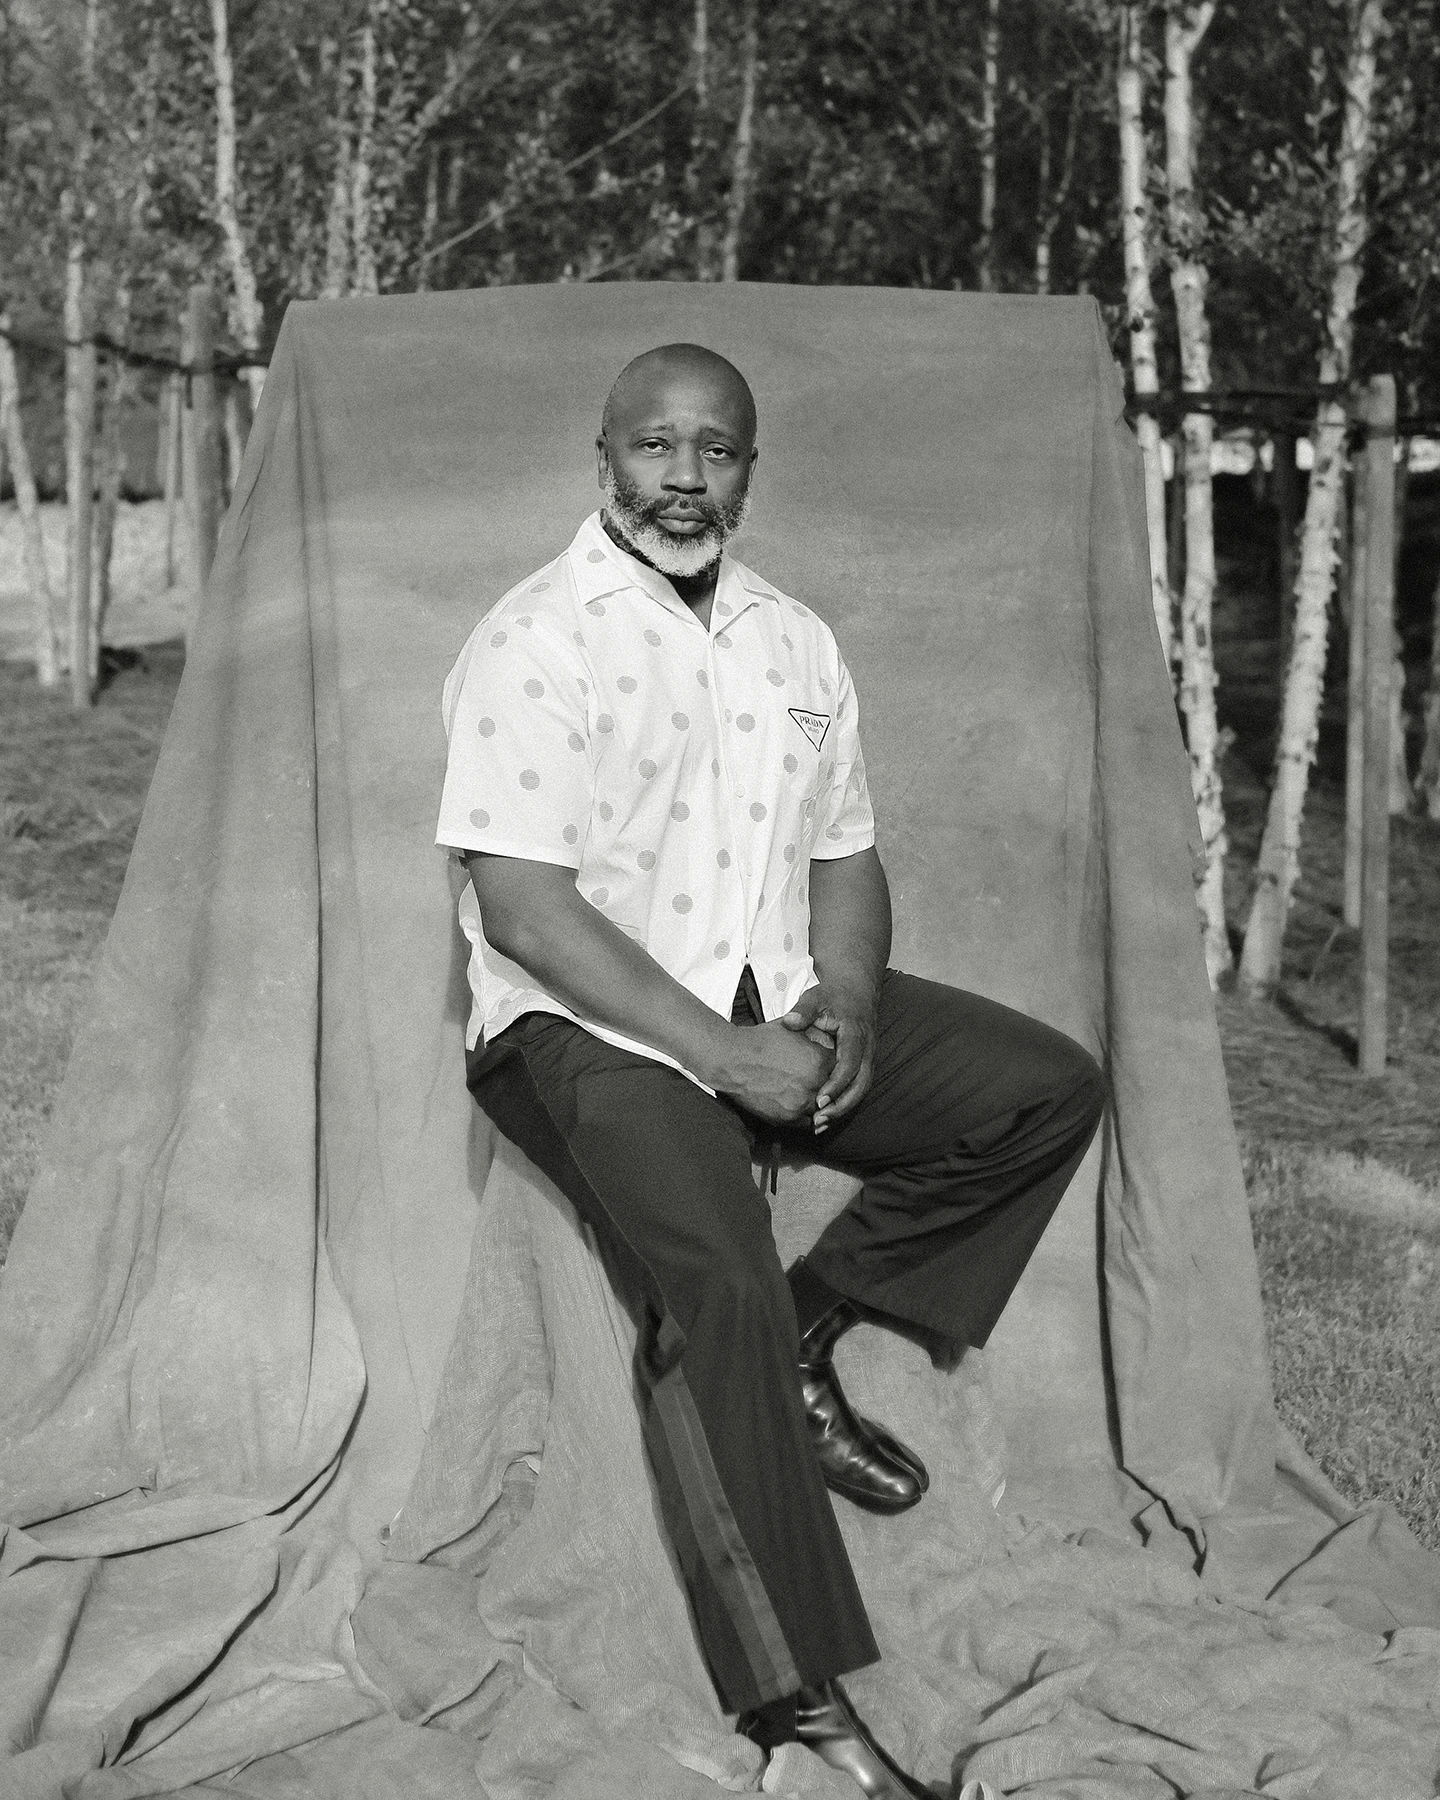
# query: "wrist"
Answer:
x=851 y=990
x=717 y=1056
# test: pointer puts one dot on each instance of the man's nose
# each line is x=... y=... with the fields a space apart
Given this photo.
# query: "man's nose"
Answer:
x=685 y=473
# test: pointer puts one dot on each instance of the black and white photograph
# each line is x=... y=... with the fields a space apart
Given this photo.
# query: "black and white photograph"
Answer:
x=719 y=899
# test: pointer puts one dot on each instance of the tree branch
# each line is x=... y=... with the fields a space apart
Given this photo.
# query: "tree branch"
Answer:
x=497 y=212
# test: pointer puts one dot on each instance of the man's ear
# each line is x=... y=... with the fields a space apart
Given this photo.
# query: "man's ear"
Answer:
x=602 y=460
x=754 y=457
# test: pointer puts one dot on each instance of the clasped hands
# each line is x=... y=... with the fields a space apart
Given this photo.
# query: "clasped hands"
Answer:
x=815 y=1060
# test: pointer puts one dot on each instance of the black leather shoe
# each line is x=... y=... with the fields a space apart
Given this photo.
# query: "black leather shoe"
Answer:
x=826 y=1723
x=858 y=1459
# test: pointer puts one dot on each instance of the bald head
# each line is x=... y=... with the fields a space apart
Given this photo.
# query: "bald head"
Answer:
x=644 y=385
x=674 y=455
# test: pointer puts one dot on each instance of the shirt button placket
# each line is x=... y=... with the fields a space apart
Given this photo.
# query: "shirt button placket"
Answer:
x=717 y=713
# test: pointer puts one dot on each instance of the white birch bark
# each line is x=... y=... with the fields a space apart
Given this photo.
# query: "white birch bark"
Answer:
x=337 y=210
x=1279 y=860
x=174 y=394
x=744 y=135
x=1427 y=778
x=79 y=465
x=247 y=315
x=1140 y=305
x=362 y=229
x=1185 y=25
x=989 y=99
x=27 y=504
x=699 y=140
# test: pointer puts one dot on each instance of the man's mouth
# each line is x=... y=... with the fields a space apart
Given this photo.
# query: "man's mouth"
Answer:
x=684 y=521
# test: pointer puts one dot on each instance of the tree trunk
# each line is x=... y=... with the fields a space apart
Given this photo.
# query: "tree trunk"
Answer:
x=1052 y=200
x=744 y=134
x=1140 y=307
x=174 y=396
x=700 y=142
x=989 y=97
x=111 y=472
x=1427 y=778
x=1285 y=527
x=1279 y=860
x=27 y=504
x=1352 y=611
x=430 y=219
x=1185 y=25
x=79 y=467
x=337 y=211
x=236 y=419
x=362 y=229
x=202 y=448
x=246 y=313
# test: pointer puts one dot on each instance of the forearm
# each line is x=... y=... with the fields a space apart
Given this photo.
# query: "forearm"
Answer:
x=574 y=952
x=850 y=923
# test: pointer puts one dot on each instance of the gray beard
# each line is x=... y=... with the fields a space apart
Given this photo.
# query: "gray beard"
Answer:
x=671 y=555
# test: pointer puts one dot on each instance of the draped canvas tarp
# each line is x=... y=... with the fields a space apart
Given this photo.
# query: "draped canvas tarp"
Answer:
x=320 y=1469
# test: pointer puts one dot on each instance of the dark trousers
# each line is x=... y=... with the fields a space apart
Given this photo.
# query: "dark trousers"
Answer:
x=975 y=1121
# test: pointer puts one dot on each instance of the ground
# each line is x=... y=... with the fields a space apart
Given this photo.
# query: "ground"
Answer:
x=1344 y=1173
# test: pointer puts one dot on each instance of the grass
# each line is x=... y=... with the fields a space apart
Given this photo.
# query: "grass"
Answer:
x=71 y=789
x=1349 y=1254
x=1344 y=1175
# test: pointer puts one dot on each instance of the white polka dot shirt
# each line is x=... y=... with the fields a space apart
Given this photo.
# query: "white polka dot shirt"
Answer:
x=688 y=776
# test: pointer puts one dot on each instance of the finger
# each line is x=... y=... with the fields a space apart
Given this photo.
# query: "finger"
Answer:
x=802 y=1015
x=851 y=1046
x=847 y=1101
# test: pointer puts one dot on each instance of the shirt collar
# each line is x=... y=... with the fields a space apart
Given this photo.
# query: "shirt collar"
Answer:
x=613 y=569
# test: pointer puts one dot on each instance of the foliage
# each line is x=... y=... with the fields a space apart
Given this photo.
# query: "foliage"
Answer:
x=505 y=126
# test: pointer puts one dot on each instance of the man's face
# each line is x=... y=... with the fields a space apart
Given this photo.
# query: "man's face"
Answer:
x=675 y=465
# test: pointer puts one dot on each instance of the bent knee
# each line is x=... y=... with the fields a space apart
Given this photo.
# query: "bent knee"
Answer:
x=1087 y=1090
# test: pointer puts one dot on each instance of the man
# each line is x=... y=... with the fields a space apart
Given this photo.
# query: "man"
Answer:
x=679 y=929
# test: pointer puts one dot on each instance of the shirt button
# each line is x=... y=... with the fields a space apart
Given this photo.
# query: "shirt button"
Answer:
x=739 y=793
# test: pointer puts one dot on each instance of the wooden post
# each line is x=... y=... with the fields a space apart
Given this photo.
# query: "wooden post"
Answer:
x=80 y=371
x=202 y=442
x=1175 y=514
x=1355 y=612
x=1379 y=629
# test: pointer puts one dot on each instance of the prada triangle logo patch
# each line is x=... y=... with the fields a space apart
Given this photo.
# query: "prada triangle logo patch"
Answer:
x=813 y=724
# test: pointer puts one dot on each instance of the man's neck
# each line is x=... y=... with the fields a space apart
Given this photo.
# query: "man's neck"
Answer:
x=697 y=591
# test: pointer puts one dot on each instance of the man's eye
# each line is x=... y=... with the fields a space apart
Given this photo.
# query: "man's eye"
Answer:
x=654 y=444
x=719 y=452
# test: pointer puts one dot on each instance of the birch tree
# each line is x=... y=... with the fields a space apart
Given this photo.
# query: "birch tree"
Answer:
x=77 y=215
x=1279 y=860
x=699 y=141
x=336 y=59
x=246 y=312
x=987 y=145
x=1186 y=22
x=1140 y=304
x=27 y=504
x=744 y=143
x=362 y=237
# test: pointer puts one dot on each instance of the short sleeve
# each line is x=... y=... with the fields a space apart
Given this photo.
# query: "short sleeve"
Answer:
x=519 y=775
x=848 y=823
